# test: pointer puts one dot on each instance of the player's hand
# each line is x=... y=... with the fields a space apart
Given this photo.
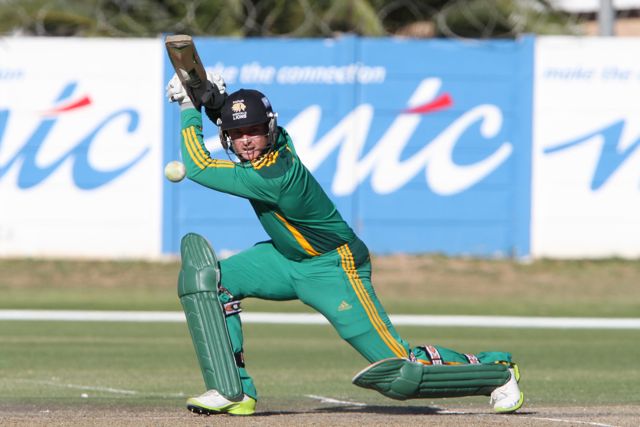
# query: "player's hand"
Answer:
x=176 y=93
x=216 y=85
x=215 y=95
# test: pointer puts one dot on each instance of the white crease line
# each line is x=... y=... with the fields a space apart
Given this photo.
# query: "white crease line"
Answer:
x=101 y=389
x=83 y=387
x=324 y=399
x=558 y=420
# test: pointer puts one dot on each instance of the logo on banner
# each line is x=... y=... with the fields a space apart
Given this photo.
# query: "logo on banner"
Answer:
x=85 y=176
x=384 y=163
x=611 y=157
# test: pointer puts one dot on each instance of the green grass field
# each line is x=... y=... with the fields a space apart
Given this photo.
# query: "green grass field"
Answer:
x=153 y=364
x=406 y=284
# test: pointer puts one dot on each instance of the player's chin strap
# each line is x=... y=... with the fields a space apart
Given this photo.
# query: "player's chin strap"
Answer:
x=272 y=136
x=403 y=379
x=198 y=292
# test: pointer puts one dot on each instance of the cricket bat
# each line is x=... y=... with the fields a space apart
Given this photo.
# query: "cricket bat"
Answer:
x=188 y=66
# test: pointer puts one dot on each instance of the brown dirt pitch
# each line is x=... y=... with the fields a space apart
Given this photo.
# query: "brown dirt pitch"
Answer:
x=326 y=415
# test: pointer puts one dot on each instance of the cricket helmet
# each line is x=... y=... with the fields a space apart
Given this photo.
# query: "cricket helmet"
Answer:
x=244 y=108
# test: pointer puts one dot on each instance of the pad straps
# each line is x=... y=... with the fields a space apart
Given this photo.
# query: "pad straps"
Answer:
x=443 y=356
x=472 y=358
x=231 y=308
x=433 y=354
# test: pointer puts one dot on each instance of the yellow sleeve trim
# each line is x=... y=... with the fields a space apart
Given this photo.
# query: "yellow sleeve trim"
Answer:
x=197 y=148
x=192 y=153
x=198 y=155
x=298 y=236
x=221 y=164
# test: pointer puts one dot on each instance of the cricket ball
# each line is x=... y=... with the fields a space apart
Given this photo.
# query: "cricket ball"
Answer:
x=175 y=171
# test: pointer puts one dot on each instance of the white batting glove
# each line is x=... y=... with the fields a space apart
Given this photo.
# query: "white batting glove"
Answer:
x=176 y=93
x=212 y=98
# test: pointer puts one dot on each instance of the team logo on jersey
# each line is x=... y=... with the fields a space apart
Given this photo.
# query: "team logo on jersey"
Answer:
x=239 y=110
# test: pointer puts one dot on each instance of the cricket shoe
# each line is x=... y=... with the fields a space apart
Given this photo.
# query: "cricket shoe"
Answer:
x=212 y=403
x=508 y=398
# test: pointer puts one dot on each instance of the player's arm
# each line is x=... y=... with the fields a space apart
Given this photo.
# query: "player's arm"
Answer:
x=221 y=175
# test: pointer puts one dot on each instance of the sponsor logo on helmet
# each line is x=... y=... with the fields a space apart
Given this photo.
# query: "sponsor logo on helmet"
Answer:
x=239 y=110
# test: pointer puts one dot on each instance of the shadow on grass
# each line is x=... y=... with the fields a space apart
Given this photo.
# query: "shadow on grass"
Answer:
x=346 y=409
x=382 y=409
x=386 y=410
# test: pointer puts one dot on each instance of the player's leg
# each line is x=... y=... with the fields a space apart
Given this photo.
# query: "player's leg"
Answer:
x=258 y=272
x=347 y=298
x=506 y=397
x=212 y=314
x=198 y=293
x=435 y=371
x=338 y=285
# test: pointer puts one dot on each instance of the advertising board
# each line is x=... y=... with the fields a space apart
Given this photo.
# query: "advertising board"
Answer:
x=423 y=145
x=80 y=147
x=586 y=158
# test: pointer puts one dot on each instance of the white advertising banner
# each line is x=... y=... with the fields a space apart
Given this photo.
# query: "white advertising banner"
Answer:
x=80 y=147
x=586 y=148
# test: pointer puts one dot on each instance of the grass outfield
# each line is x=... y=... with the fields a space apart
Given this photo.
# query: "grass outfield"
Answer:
x=405 y=284
x=55 y=363
x=65 y=373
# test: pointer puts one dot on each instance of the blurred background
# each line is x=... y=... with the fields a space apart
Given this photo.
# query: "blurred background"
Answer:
x=309 y=18
x=454 y=136
x=501 y=129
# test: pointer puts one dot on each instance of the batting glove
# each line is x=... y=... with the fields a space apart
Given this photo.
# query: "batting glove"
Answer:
x=176 y=93
x=214 y=96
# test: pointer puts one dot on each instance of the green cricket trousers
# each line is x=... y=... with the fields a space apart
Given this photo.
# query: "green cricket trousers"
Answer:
x=337 y=284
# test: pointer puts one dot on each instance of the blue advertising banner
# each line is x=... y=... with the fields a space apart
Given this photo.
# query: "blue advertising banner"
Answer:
x=424 y=146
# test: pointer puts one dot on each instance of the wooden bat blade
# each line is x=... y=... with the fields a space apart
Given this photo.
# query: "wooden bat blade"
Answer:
x=187 y=64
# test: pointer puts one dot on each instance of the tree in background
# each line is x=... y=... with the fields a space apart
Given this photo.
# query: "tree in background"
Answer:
x=291 y=18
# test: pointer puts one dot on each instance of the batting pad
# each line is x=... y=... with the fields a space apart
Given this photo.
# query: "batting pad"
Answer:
x=402 y=379
x=198 y=292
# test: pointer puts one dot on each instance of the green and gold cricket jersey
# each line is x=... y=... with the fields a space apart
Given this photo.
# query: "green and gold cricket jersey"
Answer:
x=292 y=207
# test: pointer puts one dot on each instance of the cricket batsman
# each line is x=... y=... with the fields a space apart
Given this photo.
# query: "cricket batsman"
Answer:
x=312 y=255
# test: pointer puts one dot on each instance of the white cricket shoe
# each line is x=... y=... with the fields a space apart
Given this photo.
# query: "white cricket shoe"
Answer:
x=212 y=402
x=508 y=398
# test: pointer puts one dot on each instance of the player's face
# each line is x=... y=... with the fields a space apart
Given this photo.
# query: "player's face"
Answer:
x=250 y=142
